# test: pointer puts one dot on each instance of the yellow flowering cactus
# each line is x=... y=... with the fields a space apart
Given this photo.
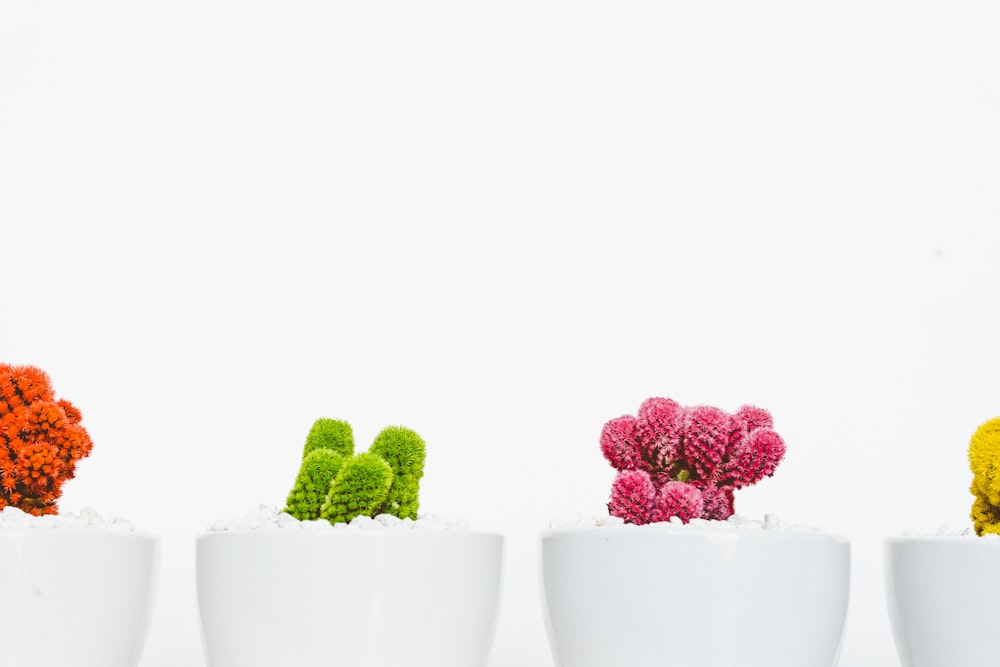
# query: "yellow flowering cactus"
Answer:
x=984 y=459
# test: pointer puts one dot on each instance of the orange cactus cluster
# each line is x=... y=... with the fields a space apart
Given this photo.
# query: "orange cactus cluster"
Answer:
x=41 y=440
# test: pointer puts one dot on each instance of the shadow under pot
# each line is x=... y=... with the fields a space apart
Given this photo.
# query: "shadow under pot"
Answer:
x=941 y=594
x=348 y=598
x=75 y=597
x=697 y=596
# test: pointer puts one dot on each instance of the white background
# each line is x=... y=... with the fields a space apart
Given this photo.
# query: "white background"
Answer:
x=502 y=225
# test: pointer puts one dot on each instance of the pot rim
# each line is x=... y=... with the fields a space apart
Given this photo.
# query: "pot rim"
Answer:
x=75 y=531
x=976 y=541
x=271 y=532
x=665 y=529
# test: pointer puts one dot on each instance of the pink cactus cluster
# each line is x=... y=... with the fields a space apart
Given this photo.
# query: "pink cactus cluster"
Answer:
x=686 y=462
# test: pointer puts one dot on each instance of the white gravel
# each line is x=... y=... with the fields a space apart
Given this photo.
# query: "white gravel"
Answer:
x=949 y=532
x=269 y=517
x=586 y=522
x=770 y=522
x=87 y=518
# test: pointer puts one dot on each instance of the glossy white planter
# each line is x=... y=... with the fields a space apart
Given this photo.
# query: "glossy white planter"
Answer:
x=942 y=595
x=683 y=596
x=348 y=598
x=75 y=598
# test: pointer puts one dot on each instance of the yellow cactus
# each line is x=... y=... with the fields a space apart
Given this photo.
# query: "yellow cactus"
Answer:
x=984 y=460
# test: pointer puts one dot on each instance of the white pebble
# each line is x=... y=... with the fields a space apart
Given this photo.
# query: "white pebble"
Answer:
x=770 y=522
x=317 y=525
x=949 y=532
x=362 y=522
x=269 y=517
x=610 y=521
x=11 y=517
x=432 y=522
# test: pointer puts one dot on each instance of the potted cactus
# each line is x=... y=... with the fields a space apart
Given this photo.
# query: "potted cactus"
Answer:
x=349 y=573
x=672 y=534
x=940 y=589
x=75 y=577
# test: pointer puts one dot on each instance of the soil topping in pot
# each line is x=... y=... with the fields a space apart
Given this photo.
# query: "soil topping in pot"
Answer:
x=269 y=517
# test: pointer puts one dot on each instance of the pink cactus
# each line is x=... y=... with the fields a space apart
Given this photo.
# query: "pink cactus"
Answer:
x=618 y=442
x=660 y=477
x=762 y=451
x=687 y=462
x=718 y=502
x=633 y=497
x=660 y=426
x=678 y=499
x=751 y=417
x=706 y=438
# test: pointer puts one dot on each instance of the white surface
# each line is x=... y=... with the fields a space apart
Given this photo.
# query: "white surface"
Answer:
x=358 y=598
x=941 y=594
x=77 y=597
x=699 y=596
x=502 y=225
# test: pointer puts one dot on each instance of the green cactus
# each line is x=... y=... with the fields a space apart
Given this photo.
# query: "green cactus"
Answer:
x=360 y=487
x=335 y=484
x=319 y=468
x=403 y=500
x=405 y=452
x=330 y=434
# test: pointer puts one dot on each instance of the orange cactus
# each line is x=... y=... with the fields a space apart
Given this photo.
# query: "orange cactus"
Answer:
x=41 y=440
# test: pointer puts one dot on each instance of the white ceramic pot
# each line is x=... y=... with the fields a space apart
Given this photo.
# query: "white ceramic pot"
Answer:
x=373 y=598
x=686 y=596
x=942 y=597
x=75 y=598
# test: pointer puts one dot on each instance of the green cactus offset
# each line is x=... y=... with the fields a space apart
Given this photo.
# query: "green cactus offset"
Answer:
x=312 y=484
x=332 y=434
x=405 y=452
x=361 y=487
x=338 y=485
